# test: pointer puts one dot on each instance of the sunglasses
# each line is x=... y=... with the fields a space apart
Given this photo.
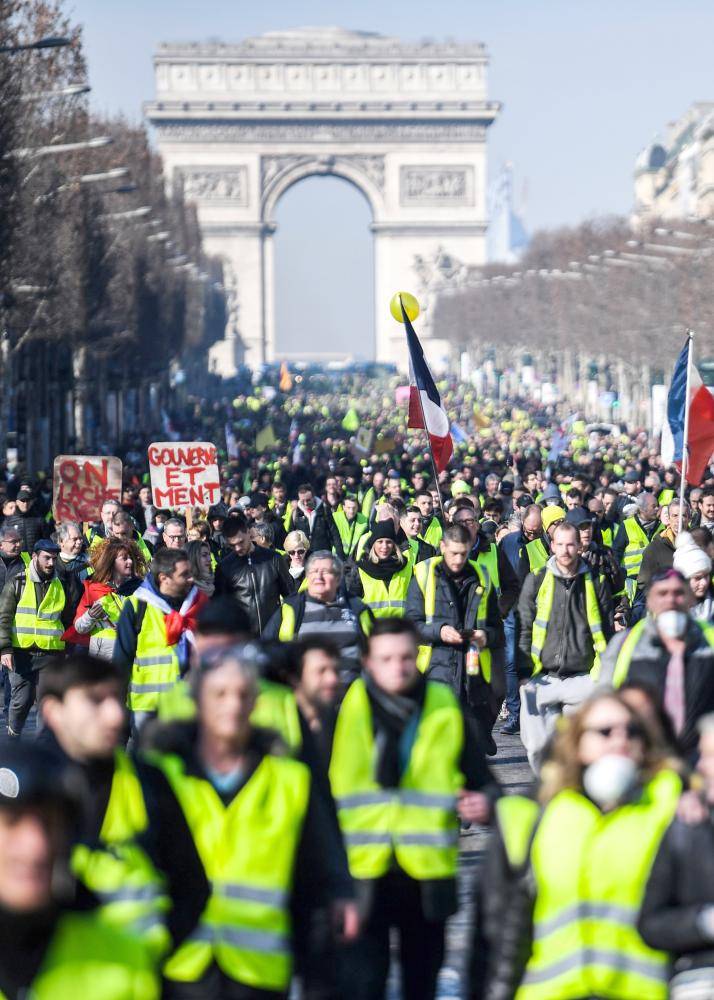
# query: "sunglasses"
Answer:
x=297 y=552
x=632 y=730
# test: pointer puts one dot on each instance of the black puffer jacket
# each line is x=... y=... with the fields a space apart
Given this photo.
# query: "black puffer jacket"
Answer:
x=257 y=582
x=680 y=886
x=31 y=527
x=456 y=604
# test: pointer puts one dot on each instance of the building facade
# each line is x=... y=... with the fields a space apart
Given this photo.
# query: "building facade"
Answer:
x=674 y=178
x=237 y=125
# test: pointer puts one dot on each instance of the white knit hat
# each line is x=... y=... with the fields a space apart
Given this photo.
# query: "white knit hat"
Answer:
x=689 y=558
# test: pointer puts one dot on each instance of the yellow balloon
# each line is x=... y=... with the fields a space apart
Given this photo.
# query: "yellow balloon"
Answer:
x=411 y=306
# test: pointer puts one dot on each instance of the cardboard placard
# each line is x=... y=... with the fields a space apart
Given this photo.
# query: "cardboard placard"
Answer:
x=184 y=474
x=81 y=484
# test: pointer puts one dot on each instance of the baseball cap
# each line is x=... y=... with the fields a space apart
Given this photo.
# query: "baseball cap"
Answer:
x=46 y=545
x=578 y=516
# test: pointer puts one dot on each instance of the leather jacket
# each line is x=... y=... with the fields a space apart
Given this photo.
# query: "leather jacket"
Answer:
x=257 y=582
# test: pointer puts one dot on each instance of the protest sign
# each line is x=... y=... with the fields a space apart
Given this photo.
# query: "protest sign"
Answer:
x=81 y=484
x=361 y=443
x=184 y=474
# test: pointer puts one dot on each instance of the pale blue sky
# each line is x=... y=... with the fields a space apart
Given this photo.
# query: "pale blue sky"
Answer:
x=585 y=84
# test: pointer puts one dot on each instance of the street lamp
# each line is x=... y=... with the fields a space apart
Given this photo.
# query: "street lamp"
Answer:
x=132 y=213
x=65 y=147
x=107 y=175
x=71 y=90
x=51 y=42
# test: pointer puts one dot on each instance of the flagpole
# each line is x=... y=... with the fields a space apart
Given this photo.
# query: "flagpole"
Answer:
x=428 y=438
x=685 y=443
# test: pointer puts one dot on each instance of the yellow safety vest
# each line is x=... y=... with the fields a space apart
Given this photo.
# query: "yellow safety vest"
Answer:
x=433 y=532
x=425 y=575
x=87 y=958
x=248 y=851
x=489 y=561
x=387 y=601
x=627 y=649
x=112 y=604
x=41 y=627
x=286 y=632
x=590 y=871
x=606 y=535
x=537 y=555
x=276 y=708
x=415 y=823
x=637 y=542
x=544 y=606
x=350 y=532
x=156 y=664
x=131 y=892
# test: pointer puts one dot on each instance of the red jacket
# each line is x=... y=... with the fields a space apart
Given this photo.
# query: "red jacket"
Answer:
x=93 y=591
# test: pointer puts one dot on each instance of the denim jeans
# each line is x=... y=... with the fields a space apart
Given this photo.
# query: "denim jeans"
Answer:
x=513 y=699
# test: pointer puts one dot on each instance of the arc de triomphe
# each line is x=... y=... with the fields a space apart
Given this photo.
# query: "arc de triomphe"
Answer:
x=238 y=124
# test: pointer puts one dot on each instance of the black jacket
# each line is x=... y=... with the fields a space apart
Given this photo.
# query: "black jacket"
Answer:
x=257 y=582
x=568 y=648
x=10 y=568
x=680 y=885
x=456 y=605
x=507 y=576
x=324 y=534
x=658 y=555
x=31 y=526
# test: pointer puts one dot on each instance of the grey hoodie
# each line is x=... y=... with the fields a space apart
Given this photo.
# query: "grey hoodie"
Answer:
x=568 y=648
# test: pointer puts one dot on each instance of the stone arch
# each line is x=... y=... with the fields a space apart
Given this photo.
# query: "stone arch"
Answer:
x=404 y=123
x=366 y=173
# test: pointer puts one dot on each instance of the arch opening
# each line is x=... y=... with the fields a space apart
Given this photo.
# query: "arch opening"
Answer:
x=324 y=270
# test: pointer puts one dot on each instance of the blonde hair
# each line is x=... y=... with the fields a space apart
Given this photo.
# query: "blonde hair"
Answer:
x=563 y=769
x=297 y=538
x=374 y=558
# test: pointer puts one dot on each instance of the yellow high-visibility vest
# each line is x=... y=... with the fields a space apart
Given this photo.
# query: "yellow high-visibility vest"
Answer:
x=425 y=575
x=387 y=600
x=544 y=605
x=156 y=666
x=41 y=626
x=416 y=823
x=248 y=850
x=590 y=871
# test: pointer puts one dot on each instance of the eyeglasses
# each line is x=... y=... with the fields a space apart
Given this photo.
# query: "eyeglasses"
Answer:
x=174 y=538
x=632 y=730
x=466 y=520
x=297 y=552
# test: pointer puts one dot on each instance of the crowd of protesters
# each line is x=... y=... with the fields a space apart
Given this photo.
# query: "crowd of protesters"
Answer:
x=261 y=727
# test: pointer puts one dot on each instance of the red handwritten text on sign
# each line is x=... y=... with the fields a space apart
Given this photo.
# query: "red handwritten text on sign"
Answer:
x=184 y=474
x=81 y=484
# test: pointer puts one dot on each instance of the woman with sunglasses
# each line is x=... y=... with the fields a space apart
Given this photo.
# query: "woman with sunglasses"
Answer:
x=297 y=547
x=565 y=877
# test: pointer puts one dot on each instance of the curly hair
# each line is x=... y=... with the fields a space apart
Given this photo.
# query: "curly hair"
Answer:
x=103 y=557
x=562 y=768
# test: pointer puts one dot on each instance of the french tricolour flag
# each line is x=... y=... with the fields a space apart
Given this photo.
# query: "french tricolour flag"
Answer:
x=423 y=395
x=700 y=432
